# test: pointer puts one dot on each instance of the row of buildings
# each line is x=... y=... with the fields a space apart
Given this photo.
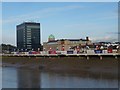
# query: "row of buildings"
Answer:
x=28 y=38
x=64 y=44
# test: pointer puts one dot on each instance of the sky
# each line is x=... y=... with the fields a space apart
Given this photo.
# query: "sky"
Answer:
x=65 y=20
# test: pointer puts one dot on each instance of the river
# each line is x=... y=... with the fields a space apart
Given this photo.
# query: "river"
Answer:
x=25 y=78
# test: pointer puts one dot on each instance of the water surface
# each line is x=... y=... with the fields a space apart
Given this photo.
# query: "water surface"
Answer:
x=23 y=78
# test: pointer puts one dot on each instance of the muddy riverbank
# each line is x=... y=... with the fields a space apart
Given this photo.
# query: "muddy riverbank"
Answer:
x=63 y=64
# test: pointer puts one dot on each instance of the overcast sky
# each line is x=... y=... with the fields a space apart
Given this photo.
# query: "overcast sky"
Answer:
x=99 y=21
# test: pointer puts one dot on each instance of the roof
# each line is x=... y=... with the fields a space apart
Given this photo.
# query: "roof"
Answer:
x=74 y=39
x=51 y=36
x=66 y=39
x=52 y=41
x=77 y=39
x=28 y=23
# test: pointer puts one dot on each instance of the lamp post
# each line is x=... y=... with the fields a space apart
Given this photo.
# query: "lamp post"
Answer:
x=43 y=49
x=69 y=48
x=38 y=49
x=57 y=48
x=22 y=50
x=63 y=48
x=26 y=50
x=14 y=50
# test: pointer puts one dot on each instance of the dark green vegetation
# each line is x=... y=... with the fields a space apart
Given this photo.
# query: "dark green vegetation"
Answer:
x=7 y=48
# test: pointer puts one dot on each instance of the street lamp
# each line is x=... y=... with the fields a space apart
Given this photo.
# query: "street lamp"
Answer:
x=57 y=48
x=69 y=48
x=38 y=49
x=26 y=50
x=22 y=50
x=63 y=48
x=14 y=50
x=43 y=49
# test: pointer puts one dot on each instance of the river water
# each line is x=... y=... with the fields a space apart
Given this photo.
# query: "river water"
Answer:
x=23 y=78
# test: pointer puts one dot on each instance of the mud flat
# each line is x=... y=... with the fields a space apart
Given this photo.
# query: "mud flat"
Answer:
x=63 y=64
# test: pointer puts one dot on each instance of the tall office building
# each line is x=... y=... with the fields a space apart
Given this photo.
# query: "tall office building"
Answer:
x=28 y=36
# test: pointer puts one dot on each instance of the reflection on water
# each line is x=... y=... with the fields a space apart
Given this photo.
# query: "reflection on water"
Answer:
x=65 y=80
x=20 y=78
x=0 y=77
x=9 y=78
x=28 y=79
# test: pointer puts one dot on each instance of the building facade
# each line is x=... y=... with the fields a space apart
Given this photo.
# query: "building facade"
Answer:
x=28 y=36
x=64 y=44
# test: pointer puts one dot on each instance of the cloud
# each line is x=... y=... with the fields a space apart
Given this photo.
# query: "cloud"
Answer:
x=117 y=33
x=90 y=26
x=38 y=14
x=96 y=31
x=104 y=39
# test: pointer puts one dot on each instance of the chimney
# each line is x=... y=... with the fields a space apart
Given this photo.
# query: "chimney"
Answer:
x=87 y=38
